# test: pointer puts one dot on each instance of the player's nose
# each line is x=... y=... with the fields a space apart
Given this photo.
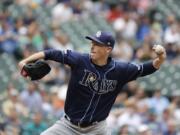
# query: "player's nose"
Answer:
x=92 y=46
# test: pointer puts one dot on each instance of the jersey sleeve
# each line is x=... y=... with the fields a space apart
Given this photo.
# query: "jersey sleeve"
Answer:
x=68 y=57
x=138 y=70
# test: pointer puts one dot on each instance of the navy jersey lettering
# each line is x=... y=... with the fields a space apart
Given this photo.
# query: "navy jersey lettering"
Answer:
x=100 y=86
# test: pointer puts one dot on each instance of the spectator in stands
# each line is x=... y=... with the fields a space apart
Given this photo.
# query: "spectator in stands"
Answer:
x=60 y=41
x=152 y=122
x=77 y=7
x=31 y=98
x=120 y=100
x=174 y=106
x=156 y=32
x=171 y=34
x=144 y=52
x=143 y=28
x=138 y=95
x=57 y=103
x=123 y=51
x=10 y=87
x=171 y=128
x=22 y=31
x=126 y=26
x=164 y=118
x=13 y=125
x=118 y=110
x=35 y=36
x=36 y=126
x=13 y=102
x=8 y=41
x=62 y=12
x=2 y=128
x=124 y=130
x=143 y=6
x=143 y=109
x=94 y=7
x=115 y=12
x=158 y=102
x=46 y=105
x=130 y=115
x=144 y=130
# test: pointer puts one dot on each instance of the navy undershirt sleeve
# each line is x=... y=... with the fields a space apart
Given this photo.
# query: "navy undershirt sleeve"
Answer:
x=148 y=68
x=65 y=57
x=134 y=70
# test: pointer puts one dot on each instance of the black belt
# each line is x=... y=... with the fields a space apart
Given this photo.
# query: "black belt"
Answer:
x=79 y=124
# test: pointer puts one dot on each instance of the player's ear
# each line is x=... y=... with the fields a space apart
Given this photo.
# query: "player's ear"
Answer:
x=109 y=49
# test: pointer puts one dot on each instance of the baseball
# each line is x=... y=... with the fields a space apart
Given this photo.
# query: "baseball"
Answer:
x=159 y=49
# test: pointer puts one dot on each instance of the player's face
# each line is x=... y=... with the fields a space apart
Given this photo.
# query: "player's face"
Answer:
x=99 y=51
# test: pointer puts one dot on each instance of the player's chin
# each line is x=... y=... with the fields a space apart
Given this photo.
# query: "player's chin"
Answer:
x=93 y=56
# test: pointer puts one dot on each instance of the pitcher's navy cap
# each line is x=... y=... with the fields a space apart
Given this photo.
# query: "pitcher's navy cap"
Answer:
x=103 y=38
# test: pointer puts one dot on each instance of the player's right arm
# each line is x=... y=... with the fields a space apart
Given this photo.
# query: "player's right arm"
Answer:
x=34 y=57
x=65 y=57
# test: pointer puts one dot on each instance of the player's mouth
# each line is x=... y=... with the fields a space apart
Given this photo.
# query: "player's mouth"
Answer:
x=92 y=53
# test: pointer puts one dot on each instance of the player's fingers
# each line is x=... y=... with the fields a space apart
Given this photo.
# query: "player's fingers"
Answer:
x=154 y=47
x=24 y=73
x=21 y=65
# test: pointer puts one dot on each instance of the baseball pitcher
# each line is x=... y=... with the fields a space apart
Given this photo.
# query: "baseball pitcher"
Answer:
x=96 y=79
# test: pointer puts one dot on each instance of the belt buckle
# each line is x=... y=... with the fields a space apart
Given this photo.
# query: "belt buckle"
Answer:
x=79 y=125
x=94 y=123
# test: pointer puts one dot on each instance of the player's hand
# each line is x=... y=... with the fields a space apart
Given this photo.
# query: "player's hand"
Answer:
x=160 y=51
x=161 y=55
x=21 y=65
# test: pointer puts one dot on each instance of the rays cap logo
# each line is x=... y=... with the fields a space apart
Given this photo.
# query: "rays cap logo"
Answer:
x=98 y=34
x=103 y=38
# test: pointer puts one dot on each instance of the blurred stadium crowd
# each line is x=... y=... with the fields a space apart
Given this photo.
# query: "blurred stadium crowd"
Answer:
x=28 y=26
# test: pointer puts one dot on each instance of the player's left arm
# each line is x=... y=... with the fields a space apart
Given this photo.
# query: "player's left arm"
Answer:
x=161 y=56
x=150 y=67
x=133 y=71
